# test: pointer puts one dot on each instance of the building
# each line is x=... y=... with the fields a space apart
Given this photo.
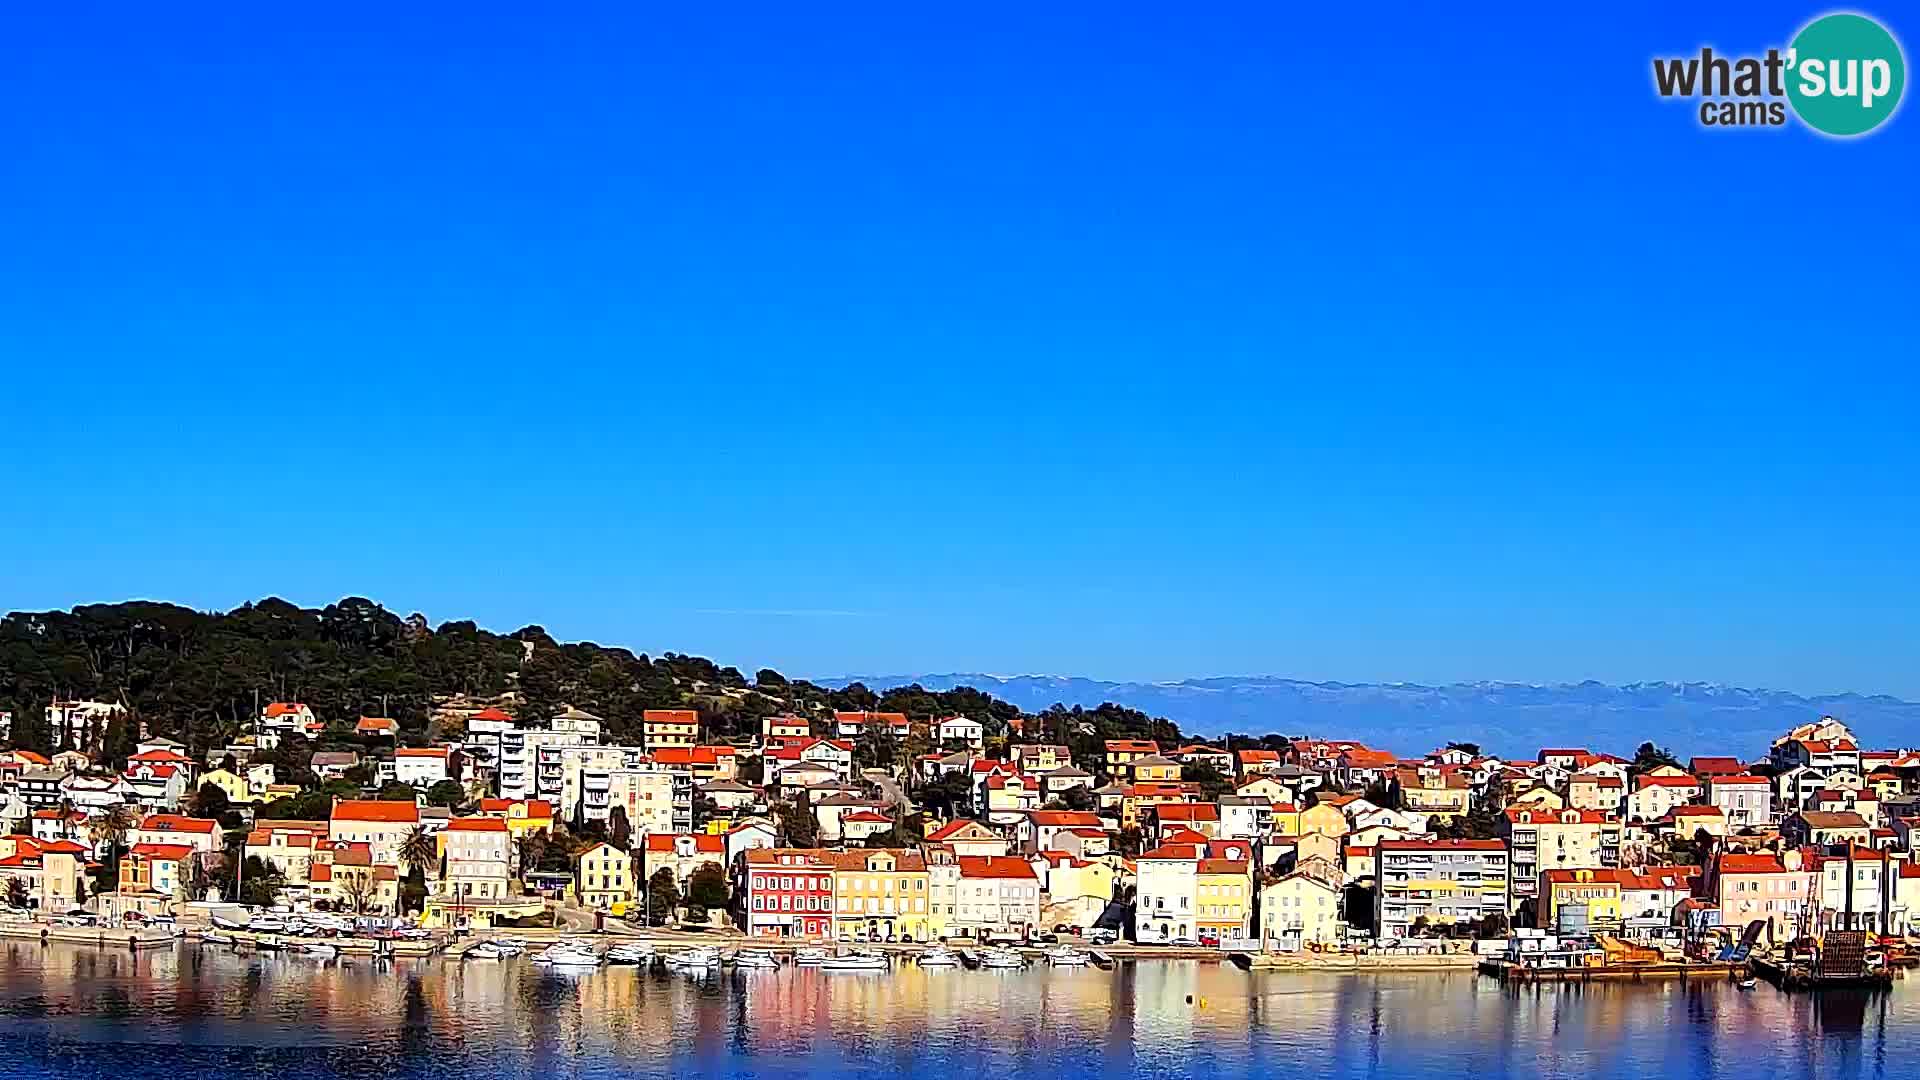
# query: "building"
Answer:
x=522 y=816
x=50 y=871
x=1224 y=893
x=670 y=727
x=1598 y=889
x=968 y=837
x=1432 y=883
x=203 y=835
x=879 y=894
x=1164 y=818
x=333 y=764
x=1040 y=757
x=421 y=766
x=1359 y=766
x=683 y=853
x=603 y=877
x=1166 y=884
x=345 y=876
x=287 y=846
x=1121 y=753
x=1539 y=840
x=1301 y=910
x=1596 y=791
x=789 y=893
x=1817 y=828
x=653 y=799
x=785 y=727
x=1245 y=817
x=1747 y=801
x=282 y=718
x=382 y=825
x=995 y=896
x=157 y=870
x=1771 y=889
x=1154 y=769
x=1075 y=890
x=376 y=727
x=1649 y=895
x=1654 y=797
x=477 y=854
x=1433 y=793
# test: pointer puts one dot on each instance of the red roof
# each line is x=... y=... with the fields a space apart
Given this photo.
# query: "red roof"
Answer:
x=380 y=810
x=1186 y=812
x=991 y=866
x=869 y=816
x=283 y=708
x=375 y=723
x=662 y=843
x=1132 y=746
x=1069 y=818
x=491 y=714
x=670 y=716
x=477 y=824
x=170 y=852
x=1738 y=778
x=1734 y=863
x=536 y=808
x=1365 y=758
x=178 y=823
x=421 y=751
x=1259 y=757
x=1715 y=766
x=1645 y=782
x=162 y=757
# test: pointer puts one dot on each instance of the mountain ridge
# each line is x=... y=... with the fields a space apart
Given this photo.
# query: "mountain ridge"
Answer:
x=1509 y=718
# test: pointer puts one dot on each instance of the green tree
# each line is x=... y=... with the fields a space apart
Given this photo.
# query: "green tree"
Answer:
x=1650 y=757
x=111 y=828
x=663 y=895
x=707 y=887
x=1212 y=784
x=260 y=882
x=417 y=852
x=395 y=791
x=1472 y=748
x=797 y=824
x=17 y=893
x=619 y=829
x=447 y=793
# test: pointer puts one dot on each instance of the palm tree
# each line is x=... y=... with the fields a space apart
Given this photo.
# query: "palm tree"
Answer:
x=418 y=850
x=17 y=894
x=112 y=826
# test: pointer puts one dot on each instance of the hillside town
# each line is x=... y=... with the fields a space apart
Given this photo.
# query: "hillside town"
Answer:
x=874 y=826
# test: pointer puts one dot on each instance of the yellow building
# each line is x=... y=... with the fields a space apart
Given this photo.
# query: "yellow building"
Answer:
x=1301 y=910
x=1153 y=768
x=231 y=784
x=1433 y=793
x=1121 y=754
x=603 y=877
x=523 y=815
x=879 y=894
x=1324 y=819
x=1598 y=887
x=1223 y=899
x=1138 y=797
x=1077 y=890
x=670 y=727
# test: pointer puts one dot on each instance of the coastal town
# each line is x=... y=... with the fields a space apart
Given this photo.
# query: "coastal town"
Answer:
x=880 y=827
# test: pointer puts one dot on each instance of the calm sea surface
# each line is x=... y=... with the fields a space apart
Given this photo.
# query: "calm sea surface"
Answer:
x=197 y=1012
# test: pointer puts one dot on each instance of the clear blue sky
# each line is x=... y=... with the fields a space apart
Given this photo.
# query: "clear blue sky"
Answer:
x=1415 y=345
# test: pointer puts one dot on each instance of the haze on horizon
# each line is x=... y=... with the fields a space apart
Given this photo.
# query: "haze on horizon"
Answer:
x=1082 y=342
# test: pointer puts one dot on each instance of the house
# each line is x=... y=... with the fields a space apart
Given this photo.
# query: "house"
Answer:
x=71 y=761
x=785 y=727
x=1121 y=753
x=603 y=876
x=476 y=854
x=995 y=895
x=833 y=811
x=287 y=846
x=1205 y=757
x=851 y=725
x=1358 y=767
x=789 y=893
x=282 y=718
x=1165 y=902
x=333 y=764
x=1421 y=883
x=154 y=781
x=970 y=838
x=1056 y=784
x=669 y=727
x=1074 y=890
x=1245 y=817
x=1010 y=796
x=1256 y=762
x=522 y=816
x=1203 y=818
x=231 y=784
x=1154 y=769
x=1746 y=801
x=1818 y=828
x=1599 y=791
x=962 y=730
x=1300 y=910
x=421 y=766
x=382 y=825
x=1325 y=818
x=376 y=727
x=49 y=870
x=94 y=794
x=683 y=853
x=1654 y=797
x=1224 y=893
x=156 y=869
x=1566 y=759
x=1767 y=888
x=1688 y=822
x=203 y=835
x=1536 y=794
x=52 y=826
x=793 y=780
x=345 y=876
x=1649 y=894
x=1859 y=887
x=704 y=764
x=1706 y=768
x=1433 y=793
x=730 y=795
x=751 y=834
x=880 y=894
x=1040 y=757
x=1600 y=889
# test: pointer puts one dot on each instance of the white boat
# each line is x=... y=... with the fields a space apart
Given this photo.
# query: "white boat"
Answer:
x=809 y=957
x=216 y=937
x=1065 y=957
x=321 y=949
x=565 y=955
x=267 y=924
x=1002 y=959
x=268 y=943
x=760 y=960
x=939 y=956
x=227 y=924
x=486 y=950
x=854 y=962
x=630 y=953
x=700 y=958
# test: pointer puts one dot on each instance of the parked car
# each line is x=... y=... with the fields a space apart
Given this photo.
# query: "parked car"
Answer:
x=1184 y=943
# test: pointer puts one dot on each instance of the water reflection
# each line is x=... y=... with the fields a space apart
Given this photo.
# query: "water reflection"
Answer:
x=192 y=1011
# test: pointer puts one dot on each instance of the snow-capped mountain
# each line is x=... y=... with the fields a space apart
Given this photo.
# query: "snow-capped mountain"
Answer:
x=1504 y=718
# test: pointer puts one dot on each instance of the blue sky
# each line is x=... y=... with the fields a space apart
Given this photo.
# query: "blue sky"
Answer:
x=1414 y=345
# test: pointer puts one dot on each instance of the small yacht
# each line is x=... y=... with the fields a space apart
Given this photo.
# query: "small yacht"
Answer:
x=855 y=962
x=939 y=956
x=695 y=961
x=631 y=952
x=568 y=955
x=809 y=957
x=322 y=949
x=756 y=960
x=1002 y=959
x=1066 y=957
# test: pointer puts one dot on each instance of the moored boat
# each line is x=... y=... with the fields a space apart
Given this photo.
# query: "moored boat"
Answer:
x=755 y=959
x=809 y=957
x=1066 y=957
x=939 y=956
x=1003 y=959
x=855 y=962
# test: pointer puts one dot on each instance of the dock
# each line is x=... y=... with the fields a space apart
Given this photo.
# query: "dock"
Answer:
x=98 y=936
x=1802 y=977
x=1648 y=972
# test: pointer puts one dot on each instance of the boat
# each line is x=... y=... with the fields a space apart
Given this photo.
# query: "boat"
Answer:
x=487 y=950
x=1066 y=957
x=226 y=924
x=566 y=955
x=267 y=924
x=216 y=937
x=755 y=959
x=1749 y=983
x=320 y=949
x=268 y=943
x=855 y=962
x=699 y=958
x=1002 y=959
x=630 y=953
x=809 y=957
x=939 y=956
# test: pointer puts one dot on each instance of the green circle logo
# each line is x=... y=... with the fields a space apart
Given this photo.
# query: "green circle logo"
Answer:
x=1845 y=74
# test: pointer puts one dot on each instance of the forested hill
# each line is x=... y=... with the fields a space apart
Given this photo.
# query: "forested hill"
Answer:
x=201 y=677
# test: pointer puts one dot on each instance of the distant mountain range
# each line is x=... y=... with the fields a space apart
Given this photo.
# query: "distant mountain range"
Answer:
x=1511 y=719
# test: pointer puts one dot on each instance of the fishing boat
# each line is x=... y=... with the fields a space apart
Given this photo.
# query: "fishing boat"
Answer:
x=809 y=957
x=1002 y=959
x=1066 y=957
x=756 y=960
x=939 y=957
x=855 y=962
